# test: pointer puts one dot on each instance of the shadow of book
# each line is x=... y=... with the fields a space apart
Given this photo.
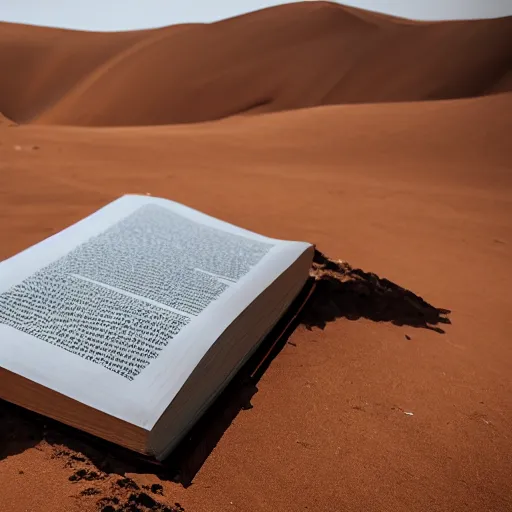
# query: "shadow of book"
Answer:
x=334 y=290
x=346 y=292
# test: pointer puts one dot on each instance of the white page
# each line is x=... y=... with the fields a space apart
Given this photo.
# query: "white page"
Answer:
x=109 y=283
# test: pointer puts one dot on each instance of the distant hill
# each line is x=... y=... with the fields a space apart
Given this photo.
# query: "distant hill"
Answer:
x=281 y=58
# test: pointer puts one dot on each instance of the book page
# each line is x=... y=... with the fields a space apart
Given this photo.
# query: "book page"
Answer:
x=117 y=310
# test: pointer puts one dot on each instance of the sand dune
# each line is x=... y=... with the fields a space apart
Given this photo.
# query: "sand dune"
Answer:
x=289 y=57
x=4 y=120
x=453 y=143
x=416 y=192
x=401 y=167
x=40 y=65
x=504 y=84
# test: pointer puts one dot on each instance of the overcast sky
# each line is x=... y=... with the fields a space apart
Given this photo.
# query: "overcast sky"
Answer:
x=136 y=14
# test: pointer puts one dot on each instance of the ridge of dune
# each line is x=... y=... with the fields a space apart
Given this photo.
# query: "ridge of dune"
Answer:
x=5 y=120
x=464 y=129
x=39 y=65
x=281 y=58
x=44 y=63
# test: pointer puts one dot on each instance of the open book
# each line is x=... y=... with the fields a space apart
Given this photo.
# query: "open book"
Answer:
x=129 y=323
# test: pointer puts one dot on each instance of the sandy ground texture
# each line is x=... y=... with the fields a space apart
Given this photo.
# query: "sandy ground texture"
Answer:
x=384 y=142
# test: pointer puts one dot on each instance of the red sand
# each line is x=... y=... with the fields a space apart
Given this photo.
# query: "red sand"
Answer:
x=283 y=58
x=416 y=191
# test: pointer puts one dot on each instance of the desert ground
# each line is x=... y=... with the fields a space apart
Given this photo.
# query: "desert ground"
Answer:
x=383 y=141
